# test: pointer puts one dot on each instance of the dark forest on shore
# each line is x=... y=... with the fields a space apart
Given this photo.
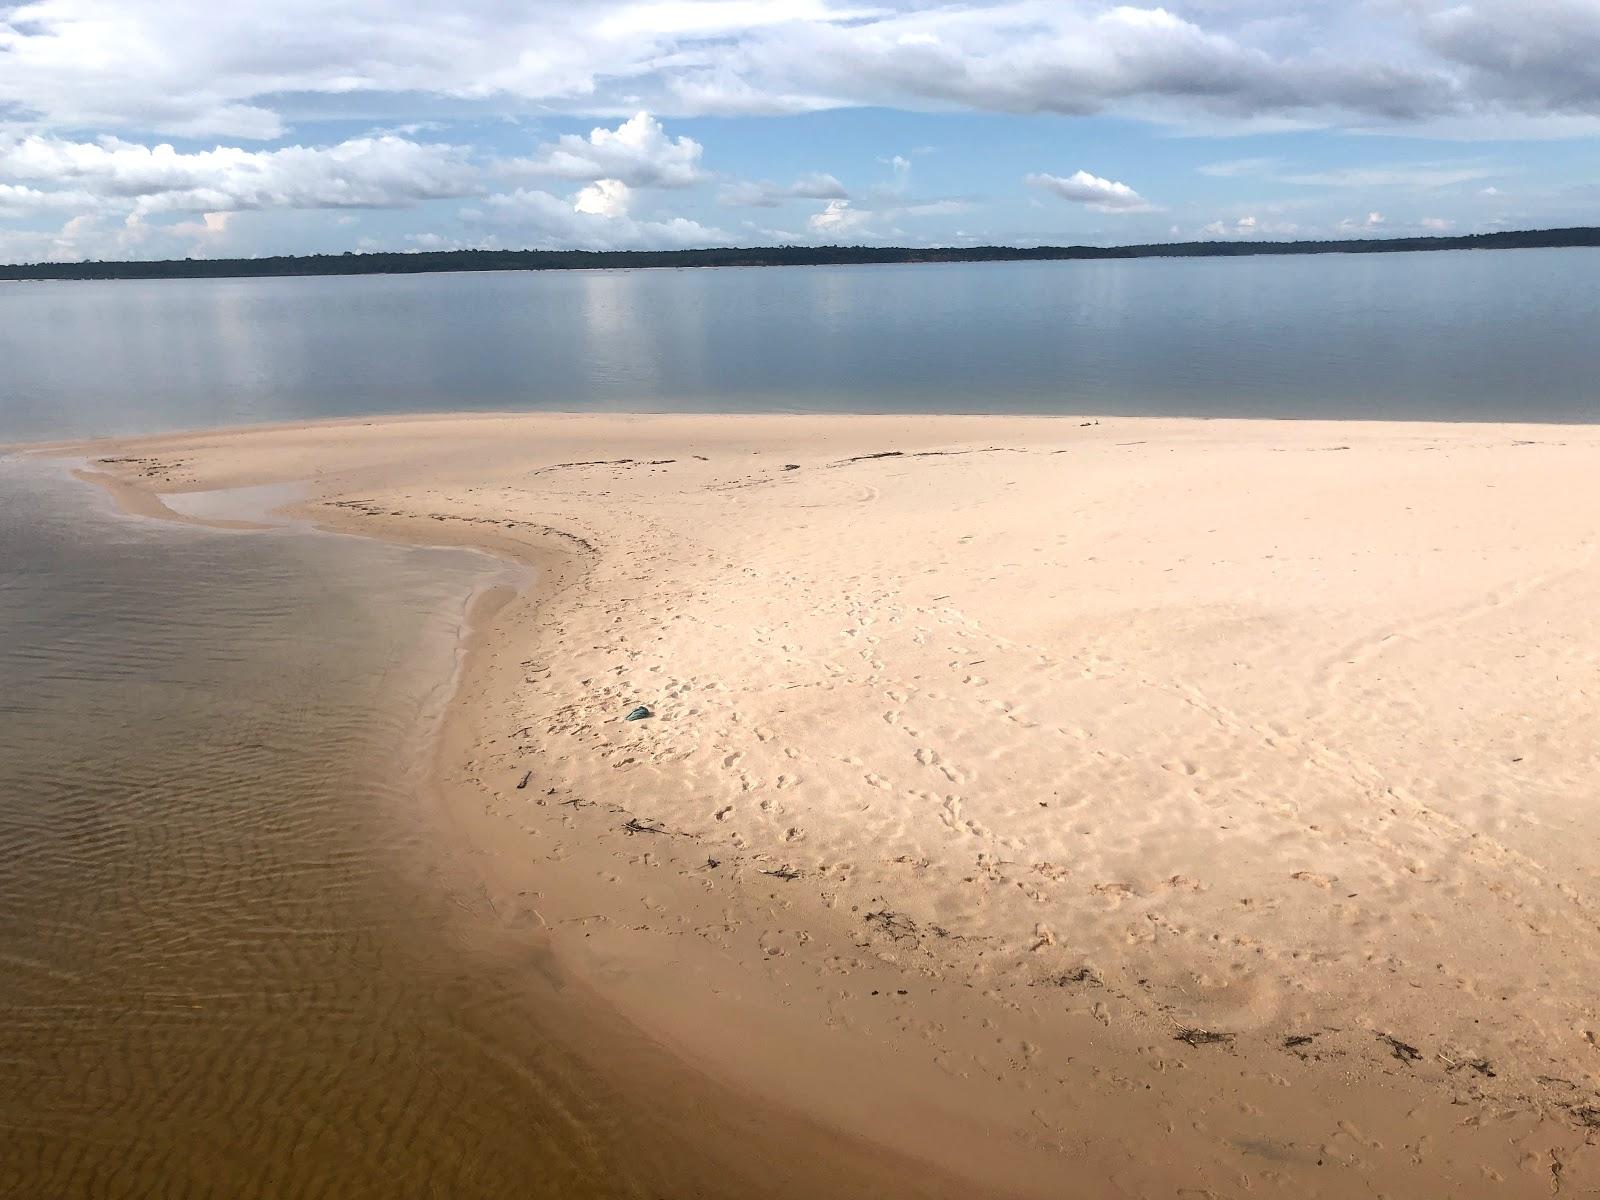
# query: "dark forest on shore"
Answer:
x=424 y=262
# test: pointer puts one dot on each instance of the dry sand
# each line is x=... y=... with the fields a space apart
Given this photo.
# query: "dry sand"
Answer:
x=1118 y=808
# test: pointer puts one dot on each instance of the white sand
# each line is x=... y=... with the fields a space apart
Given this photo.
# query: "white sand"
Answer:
x=1081 y=735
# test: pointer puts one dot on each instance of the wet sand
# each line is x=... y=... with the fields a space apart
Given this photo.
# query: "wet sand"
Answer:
x=1103 y=808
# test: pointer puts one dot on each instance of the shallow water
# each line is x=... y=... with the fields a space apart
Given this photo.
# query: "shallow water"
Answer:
x=226 y=965
x=1453 y=335
x=244 y=951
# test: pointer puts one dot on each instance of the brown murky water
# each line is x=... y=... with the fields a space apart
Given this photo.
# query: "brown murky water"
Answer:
x=224 y=967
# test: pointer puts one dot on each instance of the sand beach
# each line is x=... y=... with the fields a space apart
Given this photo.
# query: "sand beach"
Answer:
x=1071 y=806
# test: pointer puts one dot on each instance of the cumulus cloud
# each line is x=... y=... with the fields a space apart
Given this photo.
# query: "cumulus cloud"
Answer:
x=186 y=68
x=535 y=219
x=1374 y=221
x=114 y=175
x=766 y=194
x=1529 y=54
x=1102 y=195
x=637 y=152
x=838 y=218
x=603 y=198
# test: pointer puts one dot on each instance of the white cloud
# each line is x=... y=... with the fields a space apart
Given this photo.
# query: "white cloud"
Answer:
x=1251 y=225
x=533 y=219
x=1405 y=175
x=1239 y=166
x=1437 y=224
x=766 y=194
x=838 y=217
x=1102 y=195
x=603 y=198
x=1374 y=220
x=1414 y=175
x=187 y=68
x=637 y=152
x=118 y=176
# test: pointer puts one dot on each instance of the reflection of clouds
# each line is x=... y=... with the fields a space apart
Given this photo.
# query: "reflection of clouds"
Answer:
x=1384 y=335
x=616 y=356
x=248 y=353
x=644 y=335
x=834 y=295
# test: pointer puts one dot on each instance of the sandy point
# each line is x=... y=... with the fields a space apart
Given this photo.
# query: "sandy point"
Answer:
x=1079 y=807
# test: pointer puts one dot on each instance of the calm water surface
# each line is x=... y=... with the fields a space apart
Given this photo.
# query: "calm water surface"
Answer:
x=227 y=965
x=1456 y=335
x=224 y=967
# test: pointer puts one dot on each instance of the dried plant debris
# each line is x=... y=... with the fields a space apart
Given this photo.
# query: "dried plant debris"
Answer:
x=1203 y=1037
x=784 y=873
x=1297 y=1040
x=1481 y=1065
x=634 y=825
x=897 y=925
x=1080 y=977
x=1403 y=1051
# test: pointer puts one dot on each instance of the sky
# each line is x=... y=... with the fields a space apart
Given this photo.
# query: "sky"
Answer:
x=220 y=128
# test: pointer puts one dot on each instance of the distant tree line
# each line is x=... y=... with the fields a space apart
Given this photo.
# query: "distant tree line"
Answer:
x=761 y=256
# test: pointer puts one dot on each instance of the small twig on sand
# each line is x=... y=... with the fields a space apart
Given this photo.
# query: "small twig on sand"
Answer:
x=784 y=873
x=897 y=925
x=634 y=825
x=1480 y=1065
x=1403 y=1051
x=1203 y=1037
x=525 y=778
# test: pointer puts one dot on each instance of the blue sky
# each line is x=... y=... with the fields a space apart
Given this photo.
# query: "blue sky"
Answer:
x=155 y=128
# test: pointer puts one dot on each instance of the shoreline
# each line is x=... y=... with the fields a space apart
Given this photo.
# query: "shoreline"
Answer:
x=712 y=258
x=763 y=1133
x=1059 y=1096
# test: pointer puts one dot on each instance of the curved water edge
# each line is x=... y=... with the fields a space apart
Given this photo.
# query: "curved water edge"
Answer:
x=561 y=1094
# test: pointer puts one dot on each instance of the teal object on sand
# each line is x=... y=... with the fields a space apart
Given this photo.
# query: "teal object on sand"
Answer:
x=637 y=714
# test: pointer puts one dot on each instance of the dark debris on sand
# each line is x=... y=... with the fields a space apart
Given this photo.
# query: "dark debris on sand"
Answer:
x=1203 y=1037
x=1403 y=1051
